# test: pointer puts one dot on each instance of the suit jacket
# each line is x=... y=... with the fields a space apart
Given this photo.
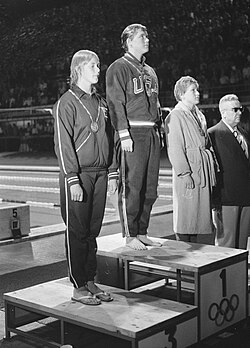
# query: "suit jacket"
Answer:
x=233 y=182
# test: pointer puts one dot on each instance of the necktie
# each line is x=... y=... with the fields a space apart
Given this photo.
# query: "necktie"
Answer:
x=239 y=138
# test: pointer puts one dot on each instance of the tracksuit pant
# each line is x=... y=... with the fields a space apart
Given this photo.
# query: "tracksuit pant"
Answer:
x=83 y=222
x=139 y=171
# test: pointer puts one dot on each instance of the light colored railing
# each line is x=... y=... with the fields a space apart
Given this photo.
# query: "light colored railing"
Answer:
x=209 y=98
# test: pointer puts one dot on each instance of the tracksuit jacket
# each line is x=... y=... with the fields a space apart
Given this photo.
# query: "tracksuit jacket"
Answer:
x=81 y=149
x=132 y=92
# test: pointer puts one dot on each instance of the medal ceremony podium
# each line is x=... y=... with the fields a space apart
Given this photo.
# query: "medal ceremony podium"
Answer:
x=219 y=276
x=216 y=277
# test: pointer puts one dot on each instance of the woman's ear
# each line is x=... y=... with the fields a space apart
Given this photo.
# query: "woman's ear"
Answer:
x=79 y=70
x=128 y=42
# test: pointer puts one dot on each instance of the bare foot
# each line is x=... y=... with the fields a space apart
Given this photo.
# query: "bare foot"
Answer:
x=147 y=241
x=135 y=244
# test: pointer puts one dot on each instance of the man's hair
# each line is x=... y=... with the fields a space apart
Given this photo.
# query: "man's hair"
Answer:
x=227 y=98
x=80 y=58
x=182 y=85
x=129 y=32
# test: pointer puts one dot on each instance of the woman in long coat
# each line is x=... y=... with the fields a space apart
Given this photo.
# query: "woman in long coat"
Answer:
x=193 y=163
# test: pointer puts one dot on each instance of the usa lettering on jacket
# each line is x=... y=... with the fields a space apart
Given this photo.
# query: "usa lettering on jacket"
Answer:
x=150 y=84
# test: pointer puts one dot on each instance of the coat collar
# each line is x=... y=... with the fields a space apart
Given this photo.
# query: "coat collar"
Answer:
x=225 y=127
x=180 y=105
x=229 y=139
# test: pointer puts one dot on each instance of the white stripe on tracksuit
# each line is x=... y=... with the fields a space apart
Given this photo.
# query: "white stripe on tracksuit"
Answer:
x=59 y=137
x=67 y=233
x=66 y=194
x=124 y=211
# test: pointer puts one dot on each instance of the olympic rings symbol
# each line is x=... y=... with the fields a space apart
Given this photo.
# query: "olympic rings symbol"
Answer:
x=224 y=311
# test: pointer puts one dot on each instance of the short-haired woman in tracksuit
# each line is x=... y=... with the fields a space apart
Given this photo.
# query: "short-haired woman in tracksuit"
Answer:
x=84 y=147
x=132 y=96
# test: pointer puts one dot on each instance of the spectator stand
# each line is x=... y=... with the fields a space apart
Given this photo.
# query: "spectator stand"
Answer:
x=208 y=40
x=26 y=129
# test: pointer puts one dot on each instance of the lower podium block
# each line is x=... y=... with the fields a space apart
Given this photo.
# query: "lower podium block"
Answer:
x=139 y=320
x=14 y=220
x=182 y=335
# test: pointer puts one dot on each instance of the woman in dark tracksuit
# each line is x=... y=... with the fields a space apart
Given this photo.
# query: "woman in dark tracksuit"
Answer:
x=132 y=96
x=84 y=147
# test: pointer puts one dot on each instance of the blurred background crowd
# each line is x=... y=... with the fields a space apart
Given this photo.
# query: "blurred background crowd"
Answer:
x=209 y=40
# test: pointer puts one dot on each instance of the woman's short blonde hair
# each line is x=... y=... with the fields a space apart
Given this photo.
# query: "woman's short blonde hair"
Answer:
x=80 y=58
x=182 y=85
x=129 y=32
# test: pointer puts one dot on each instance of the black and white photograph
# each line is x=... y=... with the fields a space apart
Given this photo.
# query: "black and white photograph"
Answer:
x=124 y=173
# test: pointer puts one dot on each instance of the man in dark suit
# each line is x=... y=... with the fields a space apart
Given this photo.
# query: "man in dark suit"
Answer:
x=232 y=193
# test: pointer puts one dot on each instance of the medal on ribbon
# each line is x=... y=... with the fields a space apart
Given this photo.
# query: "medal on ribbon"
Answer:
x=94 y=127
x=94 y=124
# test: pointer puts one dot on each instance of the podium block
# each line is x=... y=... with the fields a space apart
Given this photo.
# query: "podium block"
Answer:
x=137 y=320
x=218 y=276
x=222 y=297
x=14 y=220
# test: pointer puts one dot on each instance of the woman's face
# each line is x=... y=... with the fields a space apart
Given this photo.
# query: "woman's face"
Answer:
x=192 y=96
x=139 y=43
x=90 y=71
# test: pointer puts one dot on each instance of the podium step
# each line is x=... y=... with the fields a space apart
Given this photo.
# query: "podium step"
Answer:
x=144 y=321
